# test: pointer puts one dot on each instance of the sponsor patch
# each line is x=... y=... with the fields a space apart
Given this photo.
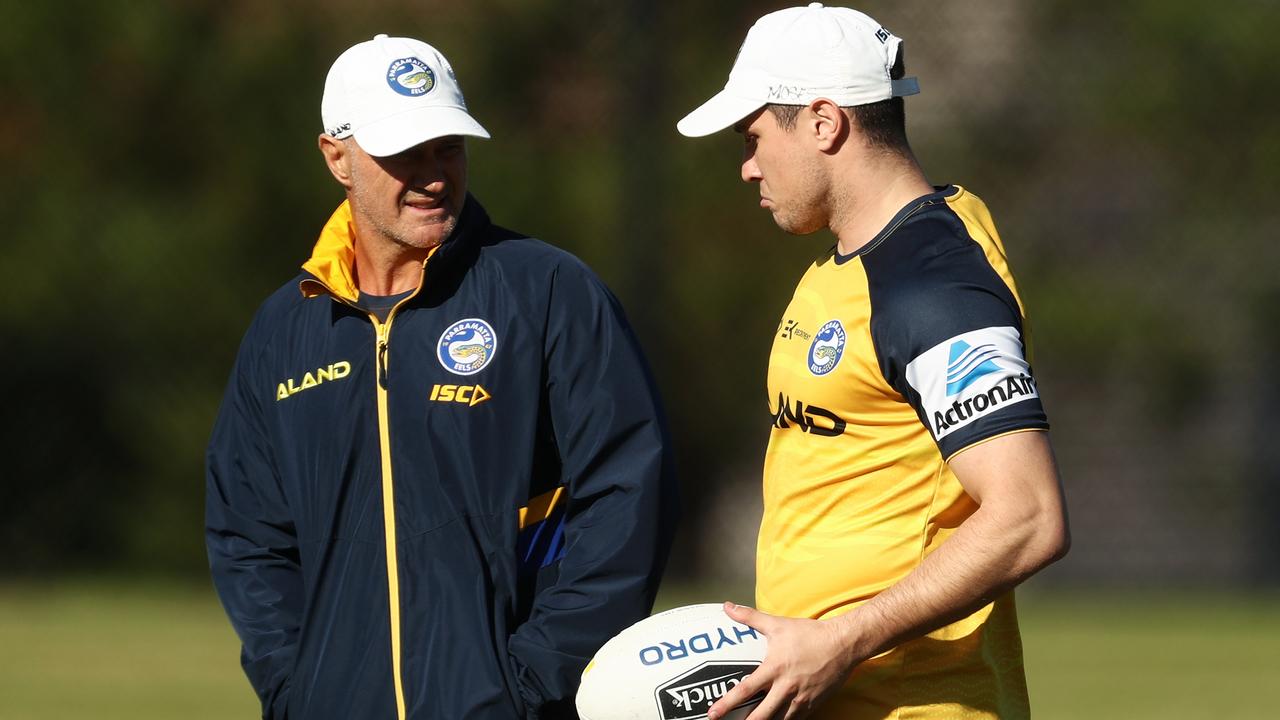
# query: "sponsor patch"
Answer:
x=810 y=419
x=328 y=373
x=679 y=648
x=410 y=77
x=788 y=329
x=469 y=395
x=968 y=363
x=827 y=348
x=690 y=695
x=970 y=376
x=467 y=346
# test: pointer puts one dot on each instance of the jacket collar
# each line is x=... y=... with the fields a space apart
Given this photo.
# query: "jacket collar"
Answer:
x=331 y=267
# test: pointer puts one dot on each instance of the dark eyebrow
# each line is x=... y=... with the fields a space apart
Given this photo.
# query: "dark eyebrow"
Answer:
x=741 y=126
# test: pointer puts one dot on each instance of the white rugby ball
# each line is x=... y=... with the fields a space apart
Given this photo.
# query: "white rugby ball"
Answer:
x=671 y=666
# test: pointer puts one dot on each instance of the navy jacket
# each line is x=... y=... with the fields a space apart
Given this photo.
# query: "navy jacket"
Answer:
x=447 y=514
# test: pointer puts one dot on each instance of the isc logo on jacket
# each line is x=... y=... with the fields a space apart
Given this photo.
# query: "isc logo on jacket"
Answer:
x=470 y=395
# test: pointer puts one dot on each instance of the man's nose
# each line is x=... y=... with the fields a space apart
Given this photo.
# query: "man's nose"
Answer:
x=427 y=170
x=750 y=170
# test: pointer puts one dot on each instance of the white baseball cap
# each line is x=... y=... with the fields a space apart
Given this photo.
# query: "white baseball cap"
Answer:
x=393 y=93
x=797 y=55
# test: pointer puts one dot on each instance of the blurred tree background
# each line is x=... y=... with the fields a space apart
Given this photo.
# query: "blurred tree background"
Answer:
x=161 y=178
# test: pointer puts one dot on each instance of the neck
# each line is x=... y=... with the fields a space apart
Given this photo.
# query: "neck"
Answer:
x=870 y=198
x=385 y=267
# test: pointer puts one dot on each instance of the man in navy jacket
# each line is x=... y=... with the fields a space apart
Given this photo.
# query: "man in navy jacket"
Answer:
x=440 y=477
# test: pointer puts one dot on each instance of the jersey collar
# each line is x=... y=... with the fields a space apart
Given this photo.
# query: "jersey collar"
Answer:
x=940 y=194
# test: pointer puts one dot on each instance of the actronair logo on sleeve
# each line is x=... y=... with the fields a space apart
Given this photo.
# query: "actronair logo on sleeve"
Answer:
x=970 y=376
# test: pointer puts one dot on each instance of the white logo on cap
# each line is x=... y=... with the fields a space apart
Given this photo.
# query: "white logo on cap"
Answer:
x=786 y=92
x=410 y=77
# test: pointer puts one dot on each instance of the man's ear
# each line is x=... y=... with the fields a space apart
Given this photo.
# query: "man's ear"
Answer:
x=337 y=156
x=828 y=124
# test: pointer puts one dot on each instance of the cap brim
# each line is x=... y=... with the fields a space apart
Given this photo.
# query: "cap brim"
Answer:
x=720 y=112
x=402 y=131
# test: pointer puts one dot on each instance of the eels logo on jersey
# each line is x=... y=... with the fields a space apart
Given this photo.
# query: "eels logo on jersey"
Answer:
x=410 y=77
x=827 y=348
x=467 y=346
x=970 y=376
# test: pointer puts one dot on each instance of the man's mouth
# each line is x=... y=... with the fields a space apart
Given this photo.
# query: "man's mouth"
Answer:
x=426 y=204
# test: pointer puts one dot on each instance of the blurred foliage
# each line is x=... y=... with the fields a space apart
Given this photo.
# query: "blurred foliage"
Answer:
x=162 y=178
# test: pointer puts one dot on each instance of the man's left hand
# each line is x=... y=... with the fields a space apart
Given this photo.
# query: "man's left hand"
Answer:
x=806 y=661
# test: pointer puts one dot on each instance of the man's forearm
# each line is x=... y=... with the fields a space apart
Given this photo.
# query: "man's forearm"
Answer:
x=1020 y=526
x=991 y=552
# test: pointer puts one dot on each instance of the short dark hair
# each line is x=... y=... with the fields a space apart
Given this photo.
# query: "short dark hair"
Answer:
x=883 y=123
x=785 y=115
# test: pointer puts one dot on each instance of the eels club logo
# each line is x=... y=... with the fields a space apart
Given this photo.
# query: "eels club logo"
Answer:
x=827 y=348
x=410 y=77
x=467 y=346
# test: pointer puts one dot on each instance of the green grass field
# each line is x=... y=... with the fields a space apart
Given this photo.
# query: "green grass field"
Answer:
x=155 y=651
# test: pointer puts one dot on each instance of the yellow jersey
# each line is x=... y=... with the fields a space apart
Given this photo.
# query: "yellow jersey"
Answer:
x=886 y=363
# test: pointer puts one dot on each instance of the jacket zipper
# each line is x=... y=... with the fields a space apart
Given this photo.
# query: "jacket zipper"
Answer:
x=383 y=331
x=381 y=385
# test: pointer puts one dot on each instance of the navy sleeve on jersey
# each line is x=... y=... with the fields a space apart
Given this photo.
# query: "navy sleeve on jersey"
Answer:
x=949 y=334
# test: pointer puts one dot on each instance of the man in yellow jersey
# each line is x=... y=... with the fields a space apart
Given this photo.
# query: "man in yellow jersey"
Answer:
x=909 y=483
x=440 y=477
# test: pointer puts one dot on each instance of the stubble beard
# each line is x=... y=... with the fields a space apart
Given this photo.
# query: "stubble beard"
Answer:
x=800 y=217
x=806 y=210
x=363 y=200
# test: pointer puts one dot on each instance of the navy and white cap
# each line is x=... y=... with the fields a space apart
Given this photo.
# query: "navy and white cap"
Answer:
x=797 y=55
x=392 y=93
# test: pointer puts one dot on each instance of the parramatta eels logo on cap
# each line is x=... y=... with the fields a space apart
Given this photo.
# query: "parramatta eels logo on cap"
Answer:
x=411 y=77
x=827 y=348
x=467 y=346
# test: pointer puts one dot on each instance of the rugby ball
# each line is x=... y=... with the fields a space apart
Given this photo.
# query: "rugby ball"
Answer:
x=671 y=666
